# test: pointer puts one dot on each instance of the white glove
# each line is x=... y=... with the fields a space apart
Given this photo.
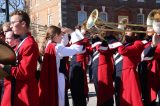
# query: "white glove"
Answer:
x=65 y=40
x=155 y=40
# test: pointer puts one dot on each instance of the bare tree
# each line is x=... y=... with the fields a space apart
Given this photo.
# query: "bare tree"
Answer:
x=2 y=2
x=17 y=4
x=14 y=4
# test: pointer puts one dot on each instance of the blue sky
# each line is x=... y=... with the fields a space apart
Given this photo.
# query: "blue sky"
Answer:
x=3 y=15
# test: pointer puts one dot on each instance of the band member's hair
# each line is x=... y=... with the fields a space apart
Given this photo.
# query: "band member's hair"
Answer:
x=7 y=25
x=52 y=31
x=140 y=36
x=24 y=16
x=130 y=28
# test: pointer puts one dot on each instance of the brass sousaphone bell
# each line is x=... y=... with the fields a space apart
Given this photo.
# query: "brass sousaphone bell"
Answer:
x=97 y=26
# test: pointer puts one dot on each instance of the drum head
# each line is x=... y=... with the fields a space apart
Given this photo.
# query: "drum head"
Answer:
x=7 y=54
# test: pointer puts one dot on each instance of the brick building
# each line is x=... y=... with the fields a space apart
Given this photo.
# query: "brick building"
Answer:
x=72 y=12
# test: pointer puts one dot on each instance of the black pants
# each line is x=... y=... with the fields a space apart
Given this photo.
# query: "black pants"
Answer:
x=108 y=103
x=90 y=73
x=66 y=98
x=142 y=72
x=76 y=79
x=95 y=77
x=153 y=103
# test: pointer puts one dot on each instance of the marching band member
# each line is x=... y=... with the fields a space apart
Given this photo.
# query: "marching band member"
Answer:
x=52 y=81
x=130 y=91
x=143 y=67
x=151 y=55
x=118 y=62
x=103 y=68
x=77 y=76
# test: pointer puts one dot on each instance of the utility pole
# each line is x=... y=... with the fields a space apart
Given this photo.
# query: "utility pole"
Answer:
x=7 y=10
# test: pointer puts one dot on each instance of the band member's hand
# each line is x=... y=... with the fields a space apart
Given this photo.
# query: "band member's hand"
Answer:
x=1 y=66
x=155 y=40
x=66 y=30
x=2 y=72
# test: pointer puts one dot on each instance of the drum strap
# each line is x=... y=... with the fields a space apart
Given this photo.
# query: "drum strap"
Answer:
x=17 y=62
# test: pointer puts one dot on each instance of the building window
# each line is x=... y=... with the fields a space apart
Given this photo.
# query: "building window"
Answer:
x=37 y=18
x=140 y=18
x=140 y=0
x=50 y=19
x=36 y=2
x=157 y=1
x=103 y=15
x=120 y=18
x=30 y=3
x=82 y=15
x=37 y=21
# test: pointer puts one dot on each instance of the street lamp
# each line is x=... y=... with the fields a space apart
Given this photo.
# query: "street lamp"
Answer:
x=7 y=10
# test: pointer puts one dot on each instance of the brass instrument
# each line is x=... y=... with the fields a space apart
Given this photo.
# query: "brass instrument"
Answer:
x=95 y=24
x=152 y=19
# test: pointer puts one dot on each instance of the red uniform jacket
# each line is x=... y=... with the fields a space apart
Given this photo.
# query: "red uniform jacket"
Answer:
x=105 y=80
x=153 y=76
x=130 y=92
x=48 y=84
x=25 y=91
x=82 y=58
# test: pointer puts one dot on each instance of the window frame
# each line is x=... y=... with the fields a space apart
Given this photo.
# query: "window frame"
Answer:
x=157 y=1
x=80 y=15
x=106 y=16
x=140 y=0
x=140 y=14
